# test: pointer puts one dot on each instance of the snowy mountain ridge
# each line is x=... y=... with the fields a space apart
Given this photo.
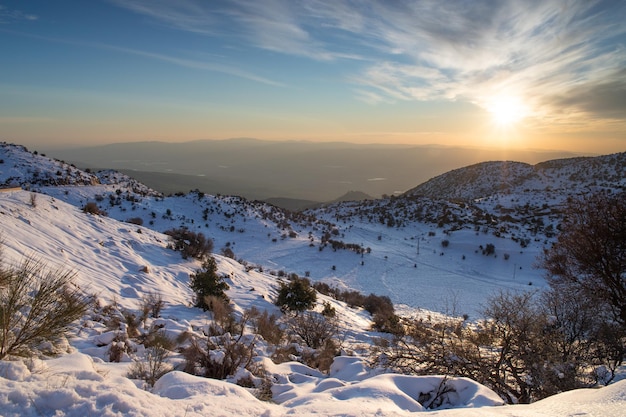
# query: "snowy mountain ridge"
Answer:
x=563 y=176
x=121 y=259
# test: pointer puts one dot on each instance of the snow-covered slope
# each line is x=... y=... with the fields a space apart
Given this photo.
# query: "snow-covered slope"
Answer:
x=562 y=177
x=18 y=167
x=423 y=252
x=121 y=262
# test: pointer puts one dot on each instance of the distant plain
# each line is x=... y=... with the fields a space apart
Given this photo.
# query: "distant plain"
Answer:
x=294 y=174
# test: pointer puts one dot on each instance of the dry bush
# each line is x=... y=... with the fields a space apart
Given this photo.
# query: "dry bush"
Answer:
x=224 y=350
x=135 y=220
x=92 y=208
x=155 y=365
x=219 y=356
x=37 y=305
x=590 y=253
x=525 y=349
x=323 y=357
x=191 y=244
x=264 y=391
x=151 y=305
x=267 y=326
x=119 y=346
x=313 y=328
x=284 y=354
x=132 y=322
x=223 y=318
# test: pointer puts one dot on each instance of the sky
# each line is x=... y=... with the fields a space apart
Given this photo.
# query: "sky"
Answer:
x=513 y=74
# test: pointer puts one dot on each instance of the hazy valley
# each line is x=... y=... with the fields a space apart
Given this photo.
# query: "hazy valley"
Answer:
x=261 y=170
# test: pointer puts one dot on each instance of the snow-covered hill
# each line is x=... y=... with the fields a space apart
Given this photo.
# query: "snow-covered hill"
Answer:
x=120 y=261
x=424 y=252
x=561 y=177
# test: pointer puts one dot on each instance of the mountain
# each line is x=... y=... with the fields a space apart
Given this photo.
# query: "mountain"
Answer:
x=563 y=176
x=404 y=233
x=122 y=263
x=258 y=170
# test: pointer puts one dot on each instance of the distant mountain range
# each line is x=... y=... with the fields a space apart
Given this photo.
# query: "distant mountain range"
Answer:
x=285 y=171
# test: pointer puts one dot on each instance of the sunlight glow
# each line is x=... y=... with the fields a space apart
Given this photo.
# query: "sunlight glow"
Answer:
x=507 y=111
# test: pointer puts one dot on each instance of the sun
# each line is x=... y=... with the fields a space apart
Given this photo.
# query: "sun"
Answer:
x=506 y=111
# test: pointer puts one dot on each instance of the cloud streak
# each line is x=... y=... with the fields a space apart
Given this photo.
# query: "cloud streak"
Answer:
x=179 y=61
x=190 y=63
x=559 y=56
x=11 y=15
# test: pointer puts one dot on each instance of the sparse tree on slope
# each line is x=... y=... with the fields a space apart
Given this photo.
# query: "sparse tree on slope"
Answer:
x=297 y=295
x=590 y=252
x=206 y=283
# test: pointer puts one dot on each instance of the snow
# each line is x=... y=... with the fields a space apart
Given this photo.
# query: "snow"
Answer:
x=120 y=263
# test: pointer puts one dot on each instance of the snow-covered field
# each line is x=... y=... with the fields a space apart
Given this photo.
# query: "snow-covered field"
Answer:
x=108 y=258
x=120 y=263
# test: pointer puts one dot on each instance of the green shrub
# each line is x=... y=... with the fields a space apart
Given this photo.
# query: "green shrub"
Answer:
x=206 y=282
x=297 y=295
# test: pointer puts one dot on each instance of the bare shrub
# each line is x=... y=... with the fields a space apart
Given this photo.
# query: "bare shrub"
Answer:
x=264 y=391
x=118 y=347
x=524 y=350
x=223 y=318
x=219 y=356
x=37 y=305
x=132 y=322
x=151 y=305
x=323 y=357
x=33 y=200
x=267 y=326
x=155 y=365
x=313 y=328
x=135 y=220
x=92 y=208
x=285 y=353
x=228 y=252
x=590 y=252
x=190 y=243
x=437 y=398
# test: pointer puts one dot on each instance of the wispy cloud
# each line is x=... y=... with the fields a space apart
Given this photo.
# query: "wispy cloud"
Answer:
x=553 y=53
x=188 y=15
x=11 y=15
x=534 y=49
x=190 y=63
x=180 y=61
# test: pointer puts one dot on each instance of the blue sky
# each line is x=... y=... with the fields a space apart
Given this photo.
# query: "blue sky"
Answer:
x=538 y=74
